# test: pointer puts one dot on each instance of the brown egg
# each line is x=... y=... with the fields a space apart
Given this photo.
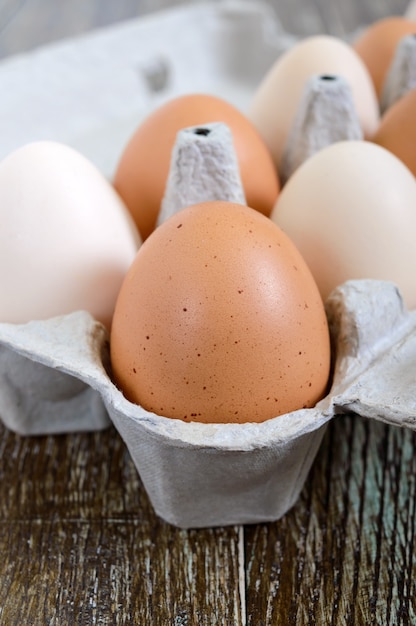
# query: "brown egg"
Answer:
x=377 y=44
x=142 y=171
x=219 y=320
x=397 y=131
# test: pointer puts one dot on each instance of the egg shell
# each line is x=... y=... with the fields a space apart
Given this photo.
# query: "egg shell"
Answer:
x=199 y=475
x=278 y=96
x=351 y=211
x=66 y=238
x=376 y=46
x=397 y=131
x=219 y=320
x=143 y=168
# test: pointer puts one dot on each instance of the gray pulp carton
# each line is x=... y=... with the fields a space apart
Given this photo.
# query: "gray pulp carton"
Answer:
x=55 y=375
x=199 y=475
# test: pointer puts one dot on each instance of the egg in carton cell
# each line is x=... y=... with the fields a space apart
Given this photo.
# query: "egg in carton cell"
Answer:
x=199 y=475
x=196 y=474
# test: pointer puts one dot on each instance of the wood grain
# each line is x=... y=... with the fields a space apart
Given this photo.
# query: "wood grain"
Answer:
x=80 y=543
x=115 y=572
x=345 y=554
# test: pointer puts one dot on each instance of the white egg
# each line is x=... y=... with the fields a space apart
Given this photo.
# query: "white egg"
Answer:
x=66 y=238
x=277 y=98
x=351 y=211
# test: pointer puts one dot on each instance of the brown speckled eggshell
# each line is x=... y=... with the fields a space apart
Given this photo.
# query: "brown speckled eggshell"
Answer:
x=143 y=168
x=219 y=320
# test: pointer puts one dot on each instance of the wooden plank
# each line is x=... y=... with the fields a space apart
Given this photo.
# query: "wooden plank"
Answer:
x=80 y=543
x=116 y=572
x=346 y=553
x=81 y=476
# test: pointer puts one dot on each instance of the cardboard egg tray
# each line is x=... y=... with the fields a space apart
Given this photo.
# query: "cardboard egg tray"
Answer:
x=55 y=375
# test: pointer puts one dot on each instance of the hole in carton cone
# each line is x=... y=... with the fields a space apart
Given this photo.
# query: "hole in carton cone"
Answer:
x=202 y=131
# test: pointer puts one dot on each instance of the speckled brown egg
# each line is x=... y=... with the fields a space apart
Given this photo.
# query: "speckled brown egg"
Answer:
x=397 y=131
x=143 y=168
x=377 y=44
x=219 y=320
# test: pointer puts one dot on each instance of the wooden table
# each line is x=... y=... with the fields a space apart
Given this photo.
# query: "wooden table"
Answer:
x=80 y=544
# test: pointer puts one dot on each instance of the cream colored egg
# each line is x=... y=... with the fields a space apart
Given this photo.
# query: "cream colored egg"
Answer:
x=66 y=238
x=351 y=211
x=276 y=100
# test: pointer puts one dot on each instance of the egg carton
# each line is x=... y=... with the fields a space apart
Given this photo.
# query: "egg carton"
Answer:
x=199 y=475
x=55 y=375
x=91 y=92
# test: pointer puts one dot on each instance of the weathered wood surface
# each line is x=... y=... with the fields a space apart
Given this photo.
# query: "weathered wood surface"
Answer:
x=345 y=554
x=79 y=543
